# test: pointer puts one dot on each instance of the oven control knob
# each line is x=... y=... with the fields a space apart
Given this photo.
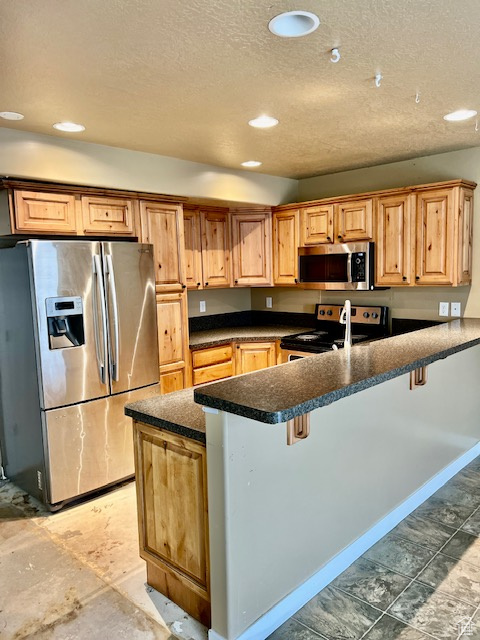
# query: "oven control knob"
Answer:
x=329 y=312
x=375 y=315
x=366 y=314
x=322 y=312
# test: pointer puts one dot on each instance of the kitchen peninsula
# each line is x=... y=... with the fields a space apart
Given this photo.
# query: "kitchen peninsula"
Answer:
x=280 y=522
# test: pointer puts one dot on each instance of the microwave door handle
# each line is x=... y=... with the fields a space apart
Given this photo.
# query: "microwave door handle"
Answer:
x=116 y=331
x=98 y=288
x=349 y=268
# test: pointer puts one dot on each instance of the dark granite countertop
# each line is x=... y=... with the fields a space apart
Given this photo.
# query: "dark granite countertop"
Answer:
x=213 y=337
x=280 y=393
x=176 y=412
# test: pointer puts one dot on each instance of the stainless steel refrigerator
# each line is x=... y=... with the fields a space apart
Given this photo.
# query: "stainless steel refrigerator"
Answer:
x=78 y=340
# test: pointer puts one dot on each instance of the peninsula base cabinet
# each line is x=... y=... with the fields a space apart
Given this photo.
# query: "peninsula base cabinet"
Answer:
x=171 y=475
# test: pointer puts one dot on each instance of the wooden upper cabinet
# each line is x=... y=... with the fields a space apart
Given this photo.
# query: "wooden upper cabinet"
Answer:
x=316 y=224
x=106 y=216
x=354 y=220
x=193 y=249
x=215 y=233
x=395 y=244
x=162 y=226
x=285 y=247
x=44 y=212
x=465 y=235
x=435 y=237
x=252 y=249
x=253 y=356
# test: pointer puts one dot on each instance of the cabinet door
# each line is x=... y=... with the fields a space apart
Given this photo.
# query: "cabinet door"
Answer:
x=172 y=505
x=285 y=247
x=107 y=216
x=42 y=212
x=172 y=322
x=252 y=356
x=193 y=250
x=435 y=237
x=316 y=225
x=354 y=220
x=252 y=249
x=465 y=230
x=395 y=247
x=162 y=226
x=215 y=231
x=172 y=381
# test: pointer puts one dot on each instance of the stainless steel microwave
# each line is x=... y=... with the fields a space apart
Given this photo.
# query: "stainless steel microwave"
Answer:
x=337 y=267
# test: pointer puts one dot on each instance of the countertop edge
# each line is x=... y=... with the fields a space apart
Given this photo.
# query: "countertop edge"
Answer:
x=276 y=417
x=179 y=429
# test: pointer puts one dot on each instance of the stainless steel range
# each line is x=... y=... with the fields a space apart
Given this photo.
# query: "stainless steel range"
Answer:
x=368 y=323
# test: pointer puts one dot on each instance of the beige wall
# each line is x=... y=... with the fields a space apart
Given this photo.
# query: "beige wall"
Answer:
x=31 y=155
x=416 y=302
x=219 y=301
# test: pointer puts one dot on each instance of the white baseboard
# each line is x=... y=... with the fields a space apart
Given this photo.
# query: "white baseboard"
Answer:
x=295 y=600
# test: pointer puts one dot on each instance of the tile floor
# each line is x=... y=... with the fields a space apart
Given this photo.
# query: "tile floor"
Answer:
x=76 y=574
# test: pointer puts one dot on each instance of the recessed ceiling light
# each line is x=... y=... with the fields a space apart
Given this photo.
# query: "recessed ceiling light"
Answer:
x=461 y=114
x=69 y=127
x=11 y=115
x=294 y=24
x=251 y=163
x=263 y=122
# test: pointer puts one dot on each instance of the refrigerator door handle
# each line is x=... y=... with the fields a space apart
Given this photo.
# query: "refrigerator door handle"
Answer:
x=98 y=287
x=116 y=330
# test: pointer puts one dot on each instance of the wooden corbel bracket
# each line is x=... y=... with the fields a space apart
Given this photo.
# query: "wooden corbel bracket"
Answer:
x=418 y=378
x=298 y=428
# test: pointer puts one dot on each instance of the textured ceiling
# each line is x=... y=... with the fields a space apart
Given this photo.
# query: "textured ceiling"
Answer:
x=183 y=78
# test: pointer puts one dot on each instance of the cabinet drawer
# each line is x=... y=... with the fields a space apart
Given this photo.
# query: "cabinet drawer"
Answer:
x=214 y=372
x=207 y=357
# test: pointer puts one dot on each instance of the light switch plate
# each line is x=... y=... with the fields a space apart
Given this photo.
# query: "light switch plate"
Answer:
x=268 y=302
x=444 y=309
x=203 y=306
x=456 y=309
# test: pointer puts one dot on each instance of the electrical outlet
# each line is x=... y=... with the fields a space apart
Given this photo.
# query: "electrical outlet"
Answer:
x=444 y=309
x=456 y=309
x=203 y=306
x=268 y=302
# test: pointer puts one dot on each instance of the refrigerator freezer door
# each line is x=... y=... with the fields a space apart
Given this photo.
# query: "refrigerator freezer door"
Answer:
x=90 y=445
x=132 y=320
x=66 y=287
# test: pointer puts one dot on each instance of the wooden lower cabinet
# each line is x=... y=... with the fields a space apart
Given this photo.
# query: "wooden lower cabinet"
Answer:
x=171 y=476
x=253 y=356
x=213 y=363
x=172 y=323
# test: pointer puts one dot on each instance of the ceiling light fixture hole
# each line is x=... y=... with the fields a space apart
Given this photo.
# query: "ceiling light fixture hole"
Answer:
x=294 y=24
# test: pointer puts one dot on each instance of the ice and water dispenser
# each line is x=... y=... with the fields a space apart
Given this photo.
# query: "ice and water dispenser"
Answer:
x=65 y=322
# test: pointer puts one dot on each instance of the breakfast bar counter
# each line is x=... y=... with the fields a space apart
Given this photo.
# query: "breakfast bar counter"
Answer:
x=241 y=529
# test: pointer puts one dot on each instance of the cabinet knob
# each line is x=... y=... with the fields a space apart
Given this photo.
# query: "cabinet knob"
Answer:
x=339 y=237
x=198 y=284
x=329 y=238
x=238 y=346
x=417 y=277
x=404 y=278
x=296 y=281
x=206 y=284
x=236 y=281
x=184 y=286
